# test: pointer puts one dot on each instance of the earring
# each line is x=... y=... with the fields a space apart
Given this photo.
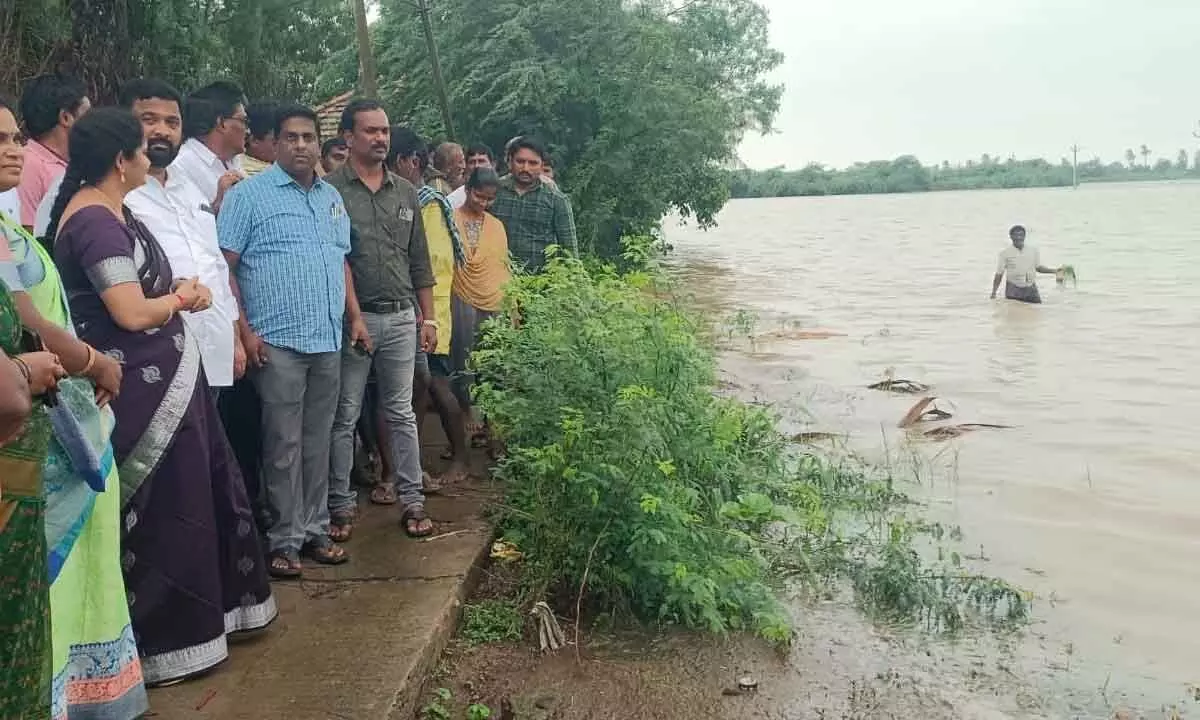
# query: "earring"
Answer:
x=122 y=177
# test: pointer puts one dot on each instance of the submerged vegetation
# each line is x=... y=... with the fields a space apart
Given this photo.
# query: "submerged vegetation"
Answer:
x=631 y=486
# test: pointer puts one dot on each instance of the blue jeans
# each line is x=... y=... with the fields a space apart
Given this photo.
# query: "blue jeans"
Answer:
x=394 y=337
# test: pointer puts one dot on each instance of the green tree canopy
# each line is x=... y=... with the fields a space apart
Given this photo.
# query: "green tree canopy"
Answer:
x=273 y=48
x=639 y=104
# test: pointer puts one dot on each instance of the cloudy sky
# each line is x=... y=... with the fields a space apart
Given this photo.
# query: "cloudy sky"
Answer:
x=953 y=79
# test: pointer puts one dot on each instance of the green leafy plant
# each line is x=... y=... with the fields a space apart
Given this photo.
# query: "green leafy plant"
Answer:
x=478 y=711
x=491 y=621
x=629 y=481
x=436 y=708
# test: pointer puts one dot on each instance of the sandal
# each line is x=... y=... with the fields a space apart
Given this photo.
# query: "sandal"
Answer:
x=384 y=494
x=415 y=522
x=325 y=551
x=284 y=565
x=341 y=526
x=429 y=484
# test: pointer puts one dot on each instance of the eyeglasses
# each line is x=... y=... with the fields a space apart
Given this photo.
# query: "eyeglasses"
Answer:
x=244 y=120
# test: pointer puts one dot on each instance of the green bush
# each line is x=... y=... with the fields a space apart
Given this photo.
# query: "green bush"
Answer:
x=624 y=467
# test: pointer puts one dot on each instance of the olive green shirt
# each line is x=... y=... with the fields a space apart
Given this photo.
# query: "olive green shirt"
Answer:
x=389 y=258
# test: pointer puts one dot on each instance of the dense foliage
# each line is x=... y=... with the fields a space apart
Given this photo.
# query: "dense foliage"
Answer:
x=907 y=174
x=274 y=48
x=640 y=104
x=625 y=468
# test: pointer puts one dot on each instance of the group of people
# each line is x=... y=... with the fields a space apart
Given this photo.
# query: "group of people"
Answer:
x=204 y=309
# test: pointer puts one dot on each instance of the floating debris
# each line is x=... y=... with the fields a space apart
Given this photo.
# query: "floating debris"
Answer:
x=748 y=683
x=810 y=438
x=946 y=432
x=925 y=410
x=802 y=334
x=900 y=385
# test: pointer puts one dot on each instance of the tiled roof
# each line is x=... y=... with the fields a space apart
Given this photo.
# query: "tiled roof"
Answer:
x=329 y=114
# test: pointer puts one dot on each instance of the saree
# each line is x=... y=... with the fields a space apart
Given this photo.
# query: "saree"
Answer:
x=190 y=557
x=96 y=672
x=478 y=292
x=24 y=586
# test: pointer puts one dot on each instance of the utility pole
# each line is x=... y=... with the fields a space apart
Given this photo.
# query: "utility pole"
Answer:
x=1075 y=165
x=368 y=76
x=438 y=83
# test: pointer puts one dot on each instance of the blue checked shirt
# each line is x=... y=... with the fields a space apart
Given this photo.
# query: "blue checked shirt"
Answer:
x=292 y=245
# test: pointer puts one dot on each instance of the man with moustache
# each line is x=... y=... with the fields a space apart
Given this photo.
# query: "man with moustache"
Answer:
x=174 y=211
x=534 y=214
x=285 y=234
x=389 y=265
x=215 y=125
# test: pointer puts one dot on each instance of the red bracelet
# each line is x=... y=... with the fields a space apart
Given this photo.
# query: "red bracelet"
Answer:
x=181 y=302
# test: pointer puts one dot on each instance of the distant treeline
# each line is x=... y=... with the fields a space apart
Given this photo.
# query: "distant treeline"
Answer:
x=906 y=174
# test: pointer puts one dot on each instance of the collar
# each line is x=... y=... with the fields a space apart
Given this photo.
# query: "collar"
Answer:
x=510 y=183
x=207 y=156
x=280 y=177
x=35 y=147
x=348 y=173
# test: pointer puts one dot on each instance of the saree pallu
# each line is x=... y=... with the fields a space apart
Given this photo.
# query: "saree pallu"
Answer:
x=24 y=585
x=96 y=672
x=192 y=563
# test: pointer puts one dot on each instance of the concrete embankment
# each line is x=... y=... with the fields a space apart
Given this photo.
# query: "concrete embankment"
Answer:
x=357 y=641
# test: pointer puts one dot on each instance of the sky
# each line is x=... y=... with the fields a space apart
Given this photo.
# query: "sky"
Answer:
x=954 y=79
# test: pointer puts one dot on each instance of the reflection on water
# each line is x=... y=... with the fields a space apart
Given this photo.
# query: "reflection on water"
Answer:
x=1092 y=500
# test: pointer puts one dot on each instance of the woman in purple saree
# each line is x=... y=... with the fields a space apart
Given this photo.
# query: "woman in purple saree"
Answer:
x=192 y=562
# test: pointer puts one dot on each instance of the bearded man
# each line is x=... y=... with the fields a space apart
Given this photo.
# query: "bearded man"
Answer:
x=183 y=222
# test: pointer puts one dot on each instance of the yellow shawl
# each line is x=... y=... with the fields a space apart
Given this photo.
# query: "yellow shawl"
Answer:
x=480 y=280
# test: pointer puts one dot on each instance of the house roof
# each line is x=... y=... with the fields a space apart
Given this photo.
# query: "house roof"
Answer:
x=329 y=114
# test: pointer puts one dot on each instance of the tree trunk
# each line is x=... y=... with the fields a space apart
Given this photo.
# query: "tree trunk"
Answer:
x=368 y=76
x=100 y=47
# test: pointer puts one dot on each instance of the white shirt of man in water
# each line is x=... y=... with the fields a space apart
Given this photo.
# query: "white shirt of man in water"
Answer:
x=1019 y=266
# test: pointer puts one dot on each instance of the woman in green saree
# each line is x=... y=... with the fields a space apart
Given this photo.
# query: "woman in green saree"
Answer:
x=95 y=672
x=24 y=597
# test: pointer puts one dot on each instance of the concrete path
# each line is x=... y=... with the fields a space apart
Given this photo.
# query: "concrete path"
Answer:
x=354 y=642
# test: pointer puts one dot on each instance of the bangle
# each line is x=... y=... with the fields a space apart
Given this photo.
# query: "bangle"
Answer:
x=24 y=372
x=91 y=360
x=432 y=323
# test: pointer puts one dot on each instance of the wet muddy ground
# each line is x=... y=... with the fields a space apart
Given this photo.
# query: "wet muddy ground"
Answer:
x=840 y=667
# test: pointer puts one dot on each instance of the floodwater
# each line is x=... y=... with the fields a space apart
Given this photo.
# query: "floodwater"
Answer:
x=1092 y=500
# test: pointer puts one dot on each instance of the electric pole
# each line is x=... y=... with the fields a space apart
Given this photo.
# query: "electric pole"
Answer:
x=1075 y=166
x=438 y=83
x=368 y=76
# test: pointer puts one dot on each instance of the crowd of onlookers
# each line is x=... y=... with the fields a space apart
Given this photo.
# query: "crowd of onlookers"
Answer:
x=214 y=326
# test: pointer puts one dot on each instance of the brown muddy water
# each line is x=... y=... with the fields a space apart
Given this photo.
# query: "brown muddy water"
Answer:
x=1092 y=500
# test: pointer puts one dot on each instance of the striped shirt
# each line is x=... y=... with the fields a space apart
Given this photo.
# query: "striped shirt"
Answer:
x=292 y=245
x=534 y=221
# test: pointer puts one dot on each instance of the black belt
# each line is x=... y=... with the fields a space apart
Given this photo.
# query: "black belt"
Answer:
x=386 y=307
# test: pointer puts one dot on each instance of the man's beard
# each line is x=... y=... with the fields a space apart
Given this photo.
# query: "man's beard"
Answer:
x=161 y=157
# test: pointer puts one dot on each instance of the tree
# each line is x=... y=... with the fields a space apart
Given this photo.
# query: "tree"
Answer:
x=1181 y=161
x=1131 y=159
x=641 y=104
x=1145 y=153
x=271 y=47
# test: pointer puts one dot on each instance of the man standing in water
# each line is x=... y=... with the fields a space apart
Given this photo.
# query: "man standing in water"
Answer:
x=1021 y=265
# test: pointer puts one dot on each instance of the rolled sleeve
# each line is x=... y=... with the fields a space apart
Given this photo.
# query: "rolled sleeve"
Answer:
x=420 y=267
x=564 y=225
x=235 y=221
